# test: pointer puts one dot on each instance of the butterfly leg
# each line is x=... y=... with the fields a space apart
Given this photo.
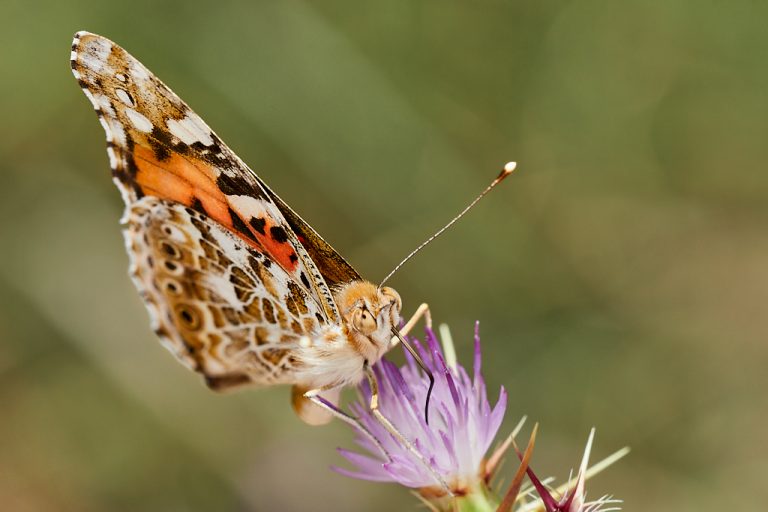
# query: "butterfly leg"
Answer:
x=421 y=311
x=389 y=427
x=313 y=395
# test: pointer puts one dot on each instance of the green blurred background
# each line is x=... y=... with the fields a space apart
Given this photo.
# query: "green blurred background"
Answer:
x=620 y=276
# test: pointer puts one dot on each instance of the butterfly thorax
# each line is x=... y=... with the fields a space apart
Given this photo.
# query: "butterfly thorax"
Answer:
x=335 y=355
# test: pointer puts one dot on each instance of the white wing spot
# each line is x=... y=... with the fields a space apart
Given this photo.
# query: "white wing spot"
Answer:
x=101 y=102
x=251 y=207
x=191 y=129
x=105 y=125
x=138 y=72
x=120 y=77
x=117 y=131
x=96 y=54
x=112 y=157
x=124 y=97
x=140 y=121
x=174 y=233
x=223 y=287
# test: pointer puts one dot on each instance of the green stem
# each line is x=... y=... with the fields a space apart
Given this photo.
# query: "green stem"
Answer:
x=479 y=500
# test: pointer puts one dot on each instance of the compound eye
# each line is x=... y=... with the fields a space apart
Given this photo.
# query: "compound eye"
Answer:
x=363 y=321
x=394 y=298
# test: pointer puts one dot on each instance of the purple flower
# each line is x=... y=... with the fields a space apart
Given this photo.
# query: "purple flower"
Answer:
x=445 y=460
x=462 y=423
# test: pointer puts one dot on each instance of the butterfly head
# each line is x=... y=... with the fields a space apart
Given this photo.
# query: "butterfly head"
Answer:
x=369 y=314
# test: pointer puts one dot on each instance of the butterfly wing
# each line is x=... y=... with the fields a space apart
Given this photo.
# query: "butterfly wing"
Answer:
x=332 y=266
x=223 y=308
x=159 y=147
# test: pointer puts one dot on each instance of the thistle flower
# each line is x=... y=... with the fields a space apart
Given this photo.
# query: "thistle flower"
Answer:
x=452 y=471
x=462 y=422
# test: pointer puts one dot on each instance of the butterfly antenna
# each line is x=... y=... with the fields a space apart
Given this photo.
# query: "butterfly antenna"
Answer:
x=506 y=171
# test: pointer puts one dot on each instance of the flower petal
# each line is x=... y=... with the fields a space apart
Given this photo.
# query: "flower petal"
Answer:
x=452 y=445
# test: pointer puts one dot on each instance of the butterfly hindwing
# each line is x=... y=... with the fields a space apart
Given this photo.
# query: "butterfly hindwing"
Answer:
x=223 y=308
x=159 y=147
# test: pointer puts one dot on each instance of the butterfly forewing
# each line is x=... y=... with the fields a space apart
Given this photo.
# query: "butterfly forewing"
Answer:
x=159 y=147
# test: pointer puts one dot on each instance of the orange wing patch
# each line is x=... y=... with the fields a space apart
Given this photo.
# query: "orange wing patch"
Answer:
x=192 y=182
x=275 y=240
x=178 y=179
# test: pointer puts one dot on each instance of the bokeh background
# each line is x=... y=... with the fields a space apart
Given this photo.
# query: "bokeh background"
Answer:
x=620 y=277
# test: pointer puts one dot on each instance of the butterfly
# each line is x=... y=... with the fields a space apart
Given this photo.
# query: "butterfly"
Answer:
x=238 y=287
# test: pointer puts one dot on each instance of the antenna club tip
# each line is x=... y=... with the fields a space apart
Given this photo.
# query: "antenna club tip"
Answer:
x=505 y=171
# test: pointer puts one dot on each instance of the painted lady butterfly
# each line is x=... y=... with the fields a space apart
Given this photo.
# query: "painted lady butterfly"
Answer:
x=239 y=288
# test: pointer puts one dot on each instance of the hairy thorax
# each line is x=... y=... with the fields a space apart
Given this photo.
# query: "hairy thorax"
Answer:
x=336 y=355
